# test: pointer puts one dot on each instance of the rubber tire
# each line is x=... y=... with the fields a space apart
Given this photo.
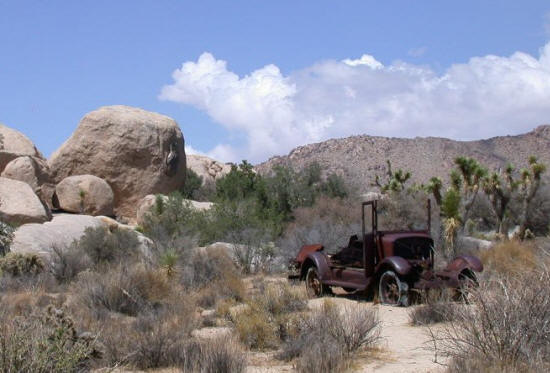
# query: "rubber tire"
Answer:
x=468 y=282
x=403 y=288
x=323 y=289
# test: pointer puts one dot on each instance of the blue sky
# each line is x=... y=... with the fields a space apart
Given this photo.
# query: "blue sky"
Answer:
x=257 y=78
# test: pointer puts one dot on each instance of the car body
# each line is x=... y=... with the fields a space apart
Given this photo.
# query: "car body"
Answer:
x=392 y=264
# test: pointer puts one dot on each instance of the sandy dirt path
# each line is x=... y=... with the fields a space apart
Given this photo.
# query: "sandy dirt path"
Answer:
x=405 y=348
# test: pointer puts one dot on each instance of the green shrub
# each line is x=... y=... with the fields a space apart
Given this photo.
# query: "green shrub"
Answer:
x=6 y=237
x=103 y=246
x=172 y=223
x=193 y=183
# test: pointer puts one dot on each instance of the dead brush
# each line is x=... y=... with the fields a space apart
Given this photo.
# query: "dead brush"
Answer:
x=506 y=328
x=435 y=307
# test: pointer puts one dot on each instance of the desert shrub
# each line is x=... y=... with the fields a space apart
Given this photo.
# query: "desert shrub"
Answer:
x=67 y=262
x=506 y=328
x=404 y=210
x=6 y=237
x=538 y=219
x=255 y=329
x=16 y=265
x=103 y=246
x=322 y=357
x=435 y=308
x=204 y=266
x=329 y=337
x=218 y=355
x=193 y=182
x=43 y=343
x=172 y=223
x=269 y=317
x=214 y=275
x=125 y=289
x=153 y=339
x=509 y=257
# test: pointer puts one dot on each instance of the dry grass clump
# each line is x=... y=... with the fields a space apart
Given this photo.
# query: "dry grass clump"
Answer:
x=327 y=339
x=506 y=328
x=510 y=257
x=43 y=342
x=269 y=317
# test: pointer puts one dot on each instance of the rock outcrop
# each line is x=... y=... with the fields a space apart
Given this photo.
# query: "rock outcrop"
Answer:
x=19 y=204
x=148 y=202
x=209 y=169
x=61 y=231
x=14 y=144
x=33 y=171
x=137 y=152
x=84 y=194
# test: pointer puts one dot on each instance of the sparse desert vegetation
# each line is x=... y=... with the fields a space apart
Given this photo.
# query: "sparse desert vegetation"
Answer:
x=208 y=294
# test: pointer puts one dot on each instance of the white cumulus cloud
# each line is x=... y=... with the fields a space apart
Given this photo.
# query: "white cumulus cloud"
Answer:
x=487 y=96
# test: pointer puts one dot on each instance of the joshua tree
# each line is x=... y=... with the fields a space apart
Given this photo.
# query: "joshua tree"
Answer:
x=434 y=187
x=395 y=181
x=530 y=179
x=500 y=188
x=468 y=180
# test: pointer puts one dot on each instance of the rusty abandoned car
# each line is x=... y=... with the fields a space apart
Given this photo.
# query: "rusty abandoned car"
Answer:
x=396 y=265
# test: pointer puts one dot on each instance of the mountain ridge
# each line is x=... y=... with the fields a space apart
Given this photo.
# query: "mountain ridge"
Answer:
x=358 y=159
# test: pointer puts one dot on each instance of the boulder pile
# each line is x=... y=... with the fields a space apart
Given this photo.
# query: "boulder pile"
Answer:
x=136 y=152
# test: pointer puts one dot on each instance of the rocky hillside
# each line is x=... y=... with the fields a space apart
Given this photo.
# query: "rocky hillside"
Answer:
x=359 y=158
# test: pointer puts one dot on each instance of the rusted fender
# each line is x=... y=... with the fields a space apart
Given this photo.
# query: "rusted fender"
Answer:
x=319 y=260
x=306 y=250
x=397 y=263
x=463 y=262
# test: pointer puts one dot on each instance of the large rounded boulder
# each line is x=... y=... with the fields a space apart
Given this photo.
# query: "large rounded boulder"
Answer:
x=14 y=144
x=33 y=171
x=137 y=152
x=19 y=204
x=84 y=194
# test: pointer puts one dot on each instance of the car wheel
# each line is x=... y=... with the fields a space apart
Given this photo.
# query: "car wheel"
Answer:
x=467 y=284
x=314 y=286
x=392 y=290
